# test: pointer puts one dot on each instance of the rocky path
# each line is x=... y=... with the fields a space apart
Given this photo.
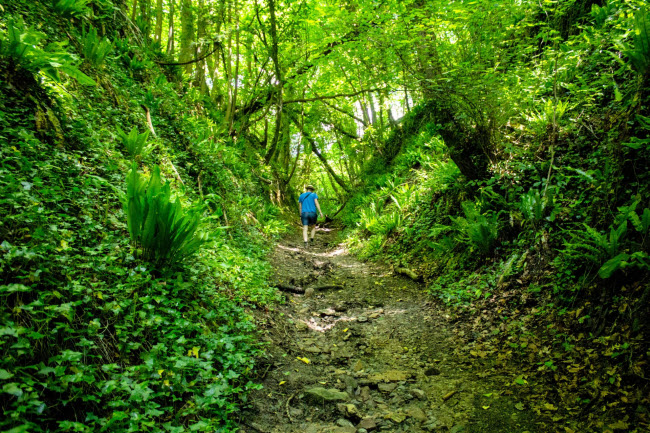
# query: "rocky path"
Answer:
x=363 y=350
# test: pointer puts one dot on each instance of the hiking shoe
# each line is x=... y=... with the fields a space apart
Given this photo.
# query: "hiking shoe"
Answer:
x=312 y=242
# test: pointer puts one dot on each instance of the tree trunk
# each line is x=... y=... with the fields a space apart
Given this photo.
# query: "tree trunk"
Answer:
x=467 y=138
x=278 y=76
x=170 y=32
x=134 y=8
x=227 y=63
x=429 y=64
x=233 y=105
x=187 y=34
x=159 y=21
x=145 y=14
x=200 y=47
x=213 y=61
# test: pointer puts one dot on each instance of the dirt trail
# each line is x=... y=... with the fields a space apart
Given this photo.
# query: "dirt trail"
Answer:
x=367 y=352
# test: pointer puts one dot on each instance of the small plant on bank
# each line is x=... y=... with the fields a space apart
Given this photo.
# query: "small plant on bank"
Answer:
x=71 y=8
x=479 y=230
x=639 y=53
x=21 y=45
x=162 y=231
x=95 y=48
x=590 y=249
x=535 y=206
x=134 y=142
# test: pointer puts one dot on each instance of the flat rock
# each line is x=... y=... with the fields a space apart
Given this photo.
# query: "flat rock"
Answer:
x=327 y=394
x=418 y=393
x=387 y=387
x=390 y=376
x=397 y=417
x=349 y=411
x=342 y=422
x=313 y=349
x=368 y=423
x=417 y=413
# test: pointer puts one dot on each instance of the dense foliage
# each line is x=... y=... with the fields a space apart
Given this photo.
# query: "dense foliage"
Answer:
x=99 y=333
x=556 y=232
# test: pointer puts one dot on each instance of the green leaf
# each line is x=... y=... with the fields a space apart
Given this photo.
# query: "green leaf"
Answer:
x=13 y=389
x=612 y=265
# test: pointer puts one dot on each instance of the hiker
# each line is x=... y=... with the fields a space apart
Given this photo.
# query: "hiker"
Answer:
x=308 y=203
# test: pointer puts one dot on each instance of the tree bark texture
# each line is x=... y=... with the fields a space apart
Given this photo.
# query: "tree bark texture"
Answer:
x=187 y=34
x=170 y=31
x=159 y=21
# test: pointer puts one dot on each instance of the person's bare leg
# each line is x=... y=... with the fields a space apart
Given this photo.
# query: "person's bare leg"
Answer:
x=313 y=232
x=304 y=233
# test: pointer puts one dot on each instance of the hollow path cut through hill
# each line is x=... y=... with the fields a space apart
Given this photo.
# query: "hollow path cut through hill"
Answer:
x=357 y=348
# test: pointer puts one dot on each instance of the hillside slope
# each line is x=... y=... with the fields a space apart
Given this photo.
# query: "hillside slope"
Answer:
x=99 y=333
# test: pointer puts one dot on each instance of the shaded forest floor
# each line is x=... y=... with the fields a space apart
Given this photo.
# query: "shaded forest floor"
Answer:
x=368 y=350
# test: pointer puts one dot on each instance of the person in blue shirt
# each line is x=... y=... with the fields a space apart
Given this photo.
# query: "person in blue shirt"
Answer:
x=308 y=203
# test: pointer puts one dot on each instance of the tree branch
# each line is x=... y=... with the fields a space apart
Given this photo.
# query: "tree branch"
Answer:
x=340 y=110
x=218 y=45
x=339 y=95
x=320 y=156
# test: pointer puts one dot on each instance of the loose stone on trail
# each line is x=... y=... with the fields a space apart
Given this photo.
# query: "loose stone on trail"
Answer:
x=390 y=376
x=322 y=394
x=367 y=423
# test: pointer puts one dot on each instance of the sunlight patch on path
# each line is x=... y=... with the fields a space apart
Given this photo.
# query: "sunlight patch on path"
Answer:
x=317 y=325
x=313 y=324
x=334 y=253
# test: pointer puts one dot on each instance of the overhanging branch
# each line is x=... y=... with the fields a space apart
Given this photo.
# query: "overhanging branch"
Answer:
x=339 y=95
x=189 y=62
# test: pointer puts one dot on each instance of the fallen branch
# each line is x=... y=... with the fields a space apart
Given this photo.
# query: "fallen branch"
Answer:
x=287 y=406
x=289 y=288
x=407 y=272
x=149 y=123
x=341 y=208
x=449 y=395
x=328 y=287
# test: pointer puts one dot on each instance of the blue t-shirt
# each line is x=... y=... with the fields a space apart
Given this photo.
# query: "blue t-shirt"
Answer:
x=307 y=200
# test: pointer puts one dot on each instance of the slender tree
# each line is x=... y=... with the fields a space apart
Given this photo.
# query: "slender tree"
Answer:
x=170 y=31
x=187 y=35
x=159 y=21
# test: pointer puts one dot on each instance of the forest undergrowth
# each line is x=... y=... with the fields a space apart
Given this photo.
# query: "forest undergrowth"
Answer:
x=109 y=184
x=542 y=262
